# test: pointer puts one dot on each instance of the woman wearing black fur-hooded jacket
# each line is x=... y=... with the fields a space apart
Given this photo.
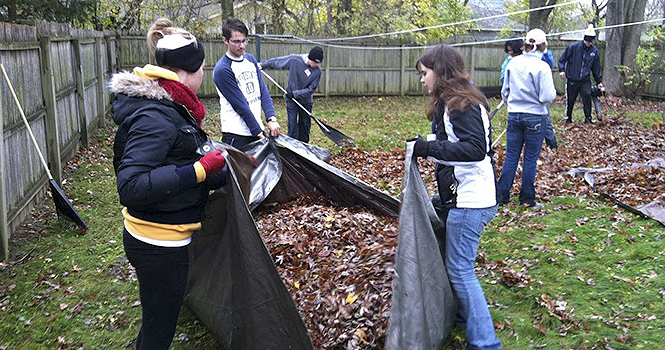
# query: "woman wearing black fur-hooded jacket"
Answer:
x=162 y=181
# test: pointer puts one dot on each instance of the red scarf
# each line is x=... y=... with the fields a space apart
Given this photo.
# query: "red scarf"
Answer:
x=186 y=97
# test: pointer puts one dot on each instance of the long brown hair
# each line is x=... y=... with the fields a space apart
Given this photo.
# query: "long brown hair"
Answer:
x=452 y=87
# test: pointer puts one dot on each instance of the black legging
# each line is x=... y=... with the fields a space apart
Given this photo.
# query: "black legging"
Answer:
x=162 y=275
x=582 y=87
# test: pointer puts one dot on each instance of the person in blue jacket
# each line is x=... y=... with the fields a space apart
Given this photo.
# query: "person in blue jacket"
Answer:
x=162 y=181
x=242 y=91
x=465 y=180
x=577 y=63
x=304 y=76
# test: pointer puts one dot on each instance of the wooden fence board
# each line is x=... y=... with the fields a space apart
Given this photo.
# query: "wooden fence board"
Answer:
x=35 y=68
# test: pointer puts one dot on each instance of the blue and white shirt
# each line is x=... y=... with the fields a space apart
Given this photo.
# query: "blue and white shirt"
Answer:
x=242 y=95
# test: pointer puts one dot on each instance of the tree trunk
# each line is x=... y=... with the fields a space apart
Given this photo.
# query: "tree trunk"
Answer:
x=538 y=19
x=344 y=13
x=227 y=9
x=613 y=37
x=329 y=15
x=11 y=11
x=621 y=42
x=277 y=18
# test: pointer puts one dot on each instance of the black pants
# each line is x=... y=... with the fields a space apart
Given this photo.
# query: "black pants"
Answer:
x=573 y=88
x=162 y=275
x=238 y=141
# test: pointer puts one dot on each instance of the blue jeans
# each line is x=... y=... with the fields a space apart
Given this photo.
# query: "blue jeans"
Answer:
x=463 y=229
x=299 y=122
x=528 y=131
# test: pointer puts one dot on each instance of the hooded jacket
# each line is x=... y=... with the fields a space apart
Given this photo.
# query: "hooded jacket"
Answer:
x=154 y=149
x=580 y=61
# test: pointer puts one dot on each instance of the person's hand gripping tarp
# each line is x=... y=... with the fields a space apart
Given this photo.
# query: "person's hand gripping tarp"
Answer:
x=420 y=148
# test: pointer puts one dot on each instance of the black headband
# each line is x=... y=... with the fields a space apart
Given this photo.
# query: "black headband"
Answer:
x=189 y=58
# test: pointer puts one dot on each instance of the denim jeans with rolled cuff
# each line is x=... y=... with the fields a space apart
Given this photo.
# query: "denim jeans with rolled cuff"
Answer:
x=464 y=227
x=524 y=131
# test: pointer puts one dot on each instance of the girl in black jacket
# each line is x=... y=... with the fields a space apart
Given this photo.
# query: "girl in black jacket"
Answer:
x=162 y=181
x=465 y=179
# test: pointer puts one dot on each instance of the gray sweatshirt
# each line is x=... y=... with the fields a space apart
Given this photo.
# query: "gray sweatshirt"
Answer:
x=528 y=86
x=303 y=79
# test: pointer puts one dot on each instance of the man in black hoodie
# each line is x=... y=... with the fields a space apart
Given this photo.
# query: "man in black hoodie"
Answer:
x=577 y=63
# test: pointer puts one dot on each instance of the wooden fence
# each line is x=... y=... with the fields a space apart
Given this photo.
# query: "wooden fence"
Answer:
x=346 y=71
x=59 y=75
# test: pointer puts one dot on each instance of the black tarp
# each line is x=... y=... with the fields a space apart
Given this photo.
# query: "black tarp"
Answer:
x=234 y=287
x=423 y=306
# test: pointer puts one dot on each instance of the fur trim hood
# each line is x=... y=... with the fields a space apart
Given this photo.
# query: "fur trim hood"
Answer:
x=132 y=85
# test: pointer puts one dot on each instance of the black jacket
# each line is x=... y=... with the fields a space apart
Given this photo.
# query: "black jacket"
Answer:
x=154 y=149
x=464 y=173
x=582 y=61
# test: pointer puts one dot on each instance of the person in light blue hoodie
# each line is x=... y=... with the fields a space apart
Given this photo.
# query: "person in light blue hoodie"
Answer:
x=527 y=89
x=512 y=48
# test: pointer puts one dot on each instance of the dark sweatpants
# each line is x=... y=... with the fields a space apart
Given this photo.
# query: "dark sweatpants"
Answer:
x=238 y=141
x=162 y=275
x=299 y=122
x=573 y=88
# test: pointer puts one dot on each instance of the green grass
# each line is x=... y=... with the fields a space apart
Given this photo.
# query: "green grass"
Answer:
x=70 y=290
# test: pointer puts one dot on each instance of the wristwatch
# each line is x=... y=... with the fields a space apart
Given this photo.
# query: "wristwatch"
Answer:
x=272 y=119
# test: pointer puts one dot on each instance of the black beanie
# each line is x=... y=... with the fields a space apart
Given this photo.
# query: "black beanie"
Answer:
x=189 y=57
x=316 y=54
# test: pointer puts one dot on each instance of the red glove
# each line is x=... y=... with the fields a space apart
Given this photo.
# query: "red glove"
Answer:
x=213 y=162
x=254 y=162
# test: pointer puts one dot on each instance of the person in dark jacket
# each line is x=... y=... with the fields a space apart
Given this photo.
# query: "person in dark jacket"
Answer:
x=304 y=76
x=577 y=63
x=162 y=181
x=465 y=180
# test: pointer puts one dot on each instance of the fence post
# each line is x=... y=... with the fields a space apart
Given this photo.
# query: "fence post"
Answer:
x=402 y=70
x=80 y=93
x=472 y=65
x=101 y=106
x=327 y=70
x=4 y=228
x=48 y=89
x=258 y=48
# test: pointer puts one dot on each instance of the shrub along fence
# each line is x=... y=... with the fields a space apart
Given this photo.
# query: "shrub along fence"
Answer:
x=59 y=74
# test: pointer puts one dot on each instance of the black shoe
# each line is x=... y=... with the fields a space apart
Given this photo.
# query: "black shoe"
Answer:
x=569 y=120
x=588 y=120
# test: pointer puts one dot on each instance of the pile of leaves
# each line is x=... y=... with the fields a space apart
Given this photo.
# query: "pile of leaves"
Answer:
x=338 y=265
x=617 y=143
x=623 y=146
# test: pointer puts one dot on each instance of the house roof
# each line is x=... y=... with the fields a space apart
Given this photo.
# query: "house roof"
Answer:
x=488 y=8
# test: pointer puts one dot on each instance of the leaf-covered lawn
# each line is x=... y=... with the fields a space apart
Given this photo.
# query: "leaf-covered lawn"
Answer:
x=579 y=273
